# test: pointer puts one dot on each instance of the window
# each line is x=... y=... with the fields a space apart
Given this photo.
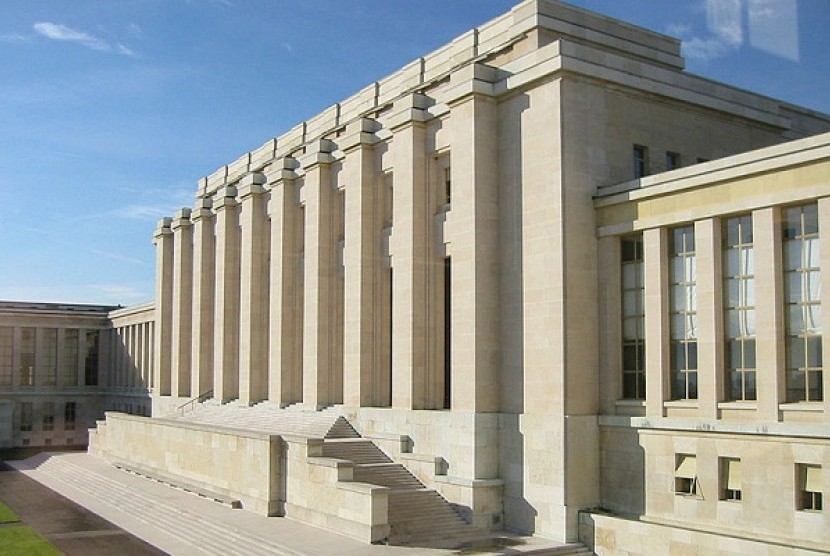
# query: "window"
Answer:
x=802 y=282
x=809 y=480
x=640 y=161
x=70 y=357
x=685 y=474
x=69 y=416
x=730 y=476
x=6 y=364
x=49 y=357
x=25 y=416
x=447 y=185
x=739 y=308
x=91 y=358
x=48 y=416
x=633 y=320
x=27 y=357
x=683 y=314
x=672 y=160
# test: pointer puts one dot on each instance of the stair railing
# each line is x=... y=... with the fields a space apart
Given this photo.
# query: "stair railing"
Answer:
x=190 y=405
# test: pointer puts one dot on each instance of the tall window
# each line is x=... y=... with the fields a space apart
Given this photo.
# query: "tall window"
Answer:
x=685 y=474
x=802 y=280
x=640 y=159
x=6 y=364
x=49 y=357
x=69 y=416
x=48 y=416
x=27 y=357
x=25 y=416
x=672 y=160
x=683 y=314
x=70 y=357
x=633 y=320
x=739 y=307
x=91 y=358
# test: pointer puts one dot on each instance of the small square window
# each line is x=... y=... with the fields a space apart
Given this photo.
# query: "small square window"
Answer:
x=685 y=475
x=809 y=481
x=730 y=477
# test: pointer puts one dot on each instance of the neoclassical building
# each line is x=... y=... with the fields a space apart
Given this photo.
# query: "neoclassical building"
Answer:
x=541 y=279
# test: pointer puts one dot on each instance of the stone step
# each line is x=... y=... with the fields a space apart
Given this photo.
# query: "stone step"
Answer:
x=356 y=451
x=392 y=475
x=186 y=526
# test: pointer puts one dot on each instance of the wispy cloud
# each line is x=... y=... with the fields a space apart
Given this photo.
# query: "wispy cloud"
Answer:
x=59 y=32
x=724 y=31
x=14 y=37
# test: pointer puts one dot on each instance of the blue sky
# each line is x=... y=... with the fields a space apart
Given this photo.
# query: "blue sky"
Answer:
x=111 y=110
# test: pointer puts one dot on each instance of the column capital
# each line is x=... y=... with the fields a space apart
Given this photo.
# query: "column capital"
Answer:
x=201 y=209
x=225 y=198
x=408 y=110
x=250 y=185
x=281 y=169
x=181 y=219
x=317 y=152
x=474 y=80
x=163 y=227
x=359 y=133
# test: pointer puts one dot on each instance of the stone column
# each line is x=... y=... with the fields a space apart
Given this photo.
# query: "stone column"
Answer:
x=473 y=127
x=226 y=324
x=182 y=303
x=322 y=382
x=769 y=313
x=253 y=309
x=204 y=287
x=710 y=387
x=655 y=279
x=285 y=354
x=410 y=245
x=163 y=239
x=362 y=383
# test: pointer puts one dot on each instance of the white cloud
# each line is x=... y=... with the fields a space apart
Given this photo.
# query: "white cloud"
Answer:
x=14 y=37
x=58 y=32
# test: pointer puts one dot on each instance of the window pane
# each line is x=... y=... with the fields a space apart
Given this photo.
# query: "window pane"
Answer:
x=691 y=348
x=678 y=354
x=629 y=276
x=746 y=229
x=749 y=386
x=814 y=351
x=629 y=385
x=732 y=231
x=677 y=270
x=811 y=219
x=692 y=379
x=812 y=253
x=629 y=357
x=735 y=386
x=796 y=318
x=733 y=266
x=795 y=386
x=749 y=354
x=795 y=353
x=733 y=329
x=814 y=386
x=792 y=254
x=733 y=354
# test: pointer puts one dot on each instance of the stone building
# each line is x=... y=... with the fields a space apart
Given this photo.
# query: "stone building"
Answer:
x=62 y=365
x=520 y=273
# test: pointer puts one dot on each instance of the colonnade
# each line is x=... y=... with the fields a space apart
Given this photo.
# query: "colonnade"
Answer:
x=319 y=278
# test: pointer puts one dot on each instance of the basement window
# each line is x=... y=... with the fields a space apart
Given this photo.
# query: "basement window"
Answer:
x=809 y=488
x=685 y=475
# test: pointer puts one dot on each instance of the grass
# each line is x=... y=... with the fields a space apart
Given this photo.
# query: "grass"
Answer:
x=6 y=515
x=24 y=541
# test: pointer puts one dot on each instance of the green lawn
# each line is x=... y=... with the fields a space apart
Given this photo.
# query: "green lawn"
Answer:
x=24 y=541
x=6 y=515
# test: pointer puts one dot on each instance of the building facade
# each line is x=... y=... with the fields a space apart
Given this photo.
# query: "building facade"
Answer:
x=63 y=365
x=457 y=261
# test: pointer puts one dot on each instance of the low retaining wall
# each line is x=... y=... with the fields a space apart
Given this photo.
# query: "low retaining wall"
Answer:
x=235 y=464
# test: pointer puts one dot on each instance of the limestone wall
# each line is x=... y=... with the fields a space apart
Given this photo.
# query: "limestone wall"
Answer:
x=612 y=536
x=239 y=464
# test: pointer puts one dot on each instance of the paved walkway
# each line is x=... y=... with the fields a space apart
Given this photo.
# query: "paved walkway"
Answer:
x=185 y=524
x=73 y=529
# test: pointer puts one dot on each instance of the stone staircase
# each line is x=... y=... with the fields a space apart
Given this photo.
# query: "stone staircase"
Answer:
x=417 y=515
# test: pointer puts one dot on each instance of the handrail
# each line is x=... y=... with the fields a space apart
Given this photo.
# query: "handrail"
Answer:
x=190 y=404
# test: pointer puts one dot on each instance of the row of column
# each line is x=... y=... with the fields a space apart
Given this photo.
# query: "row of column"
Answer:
x=281 y=287
x=131 y=356
x=769 y=310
